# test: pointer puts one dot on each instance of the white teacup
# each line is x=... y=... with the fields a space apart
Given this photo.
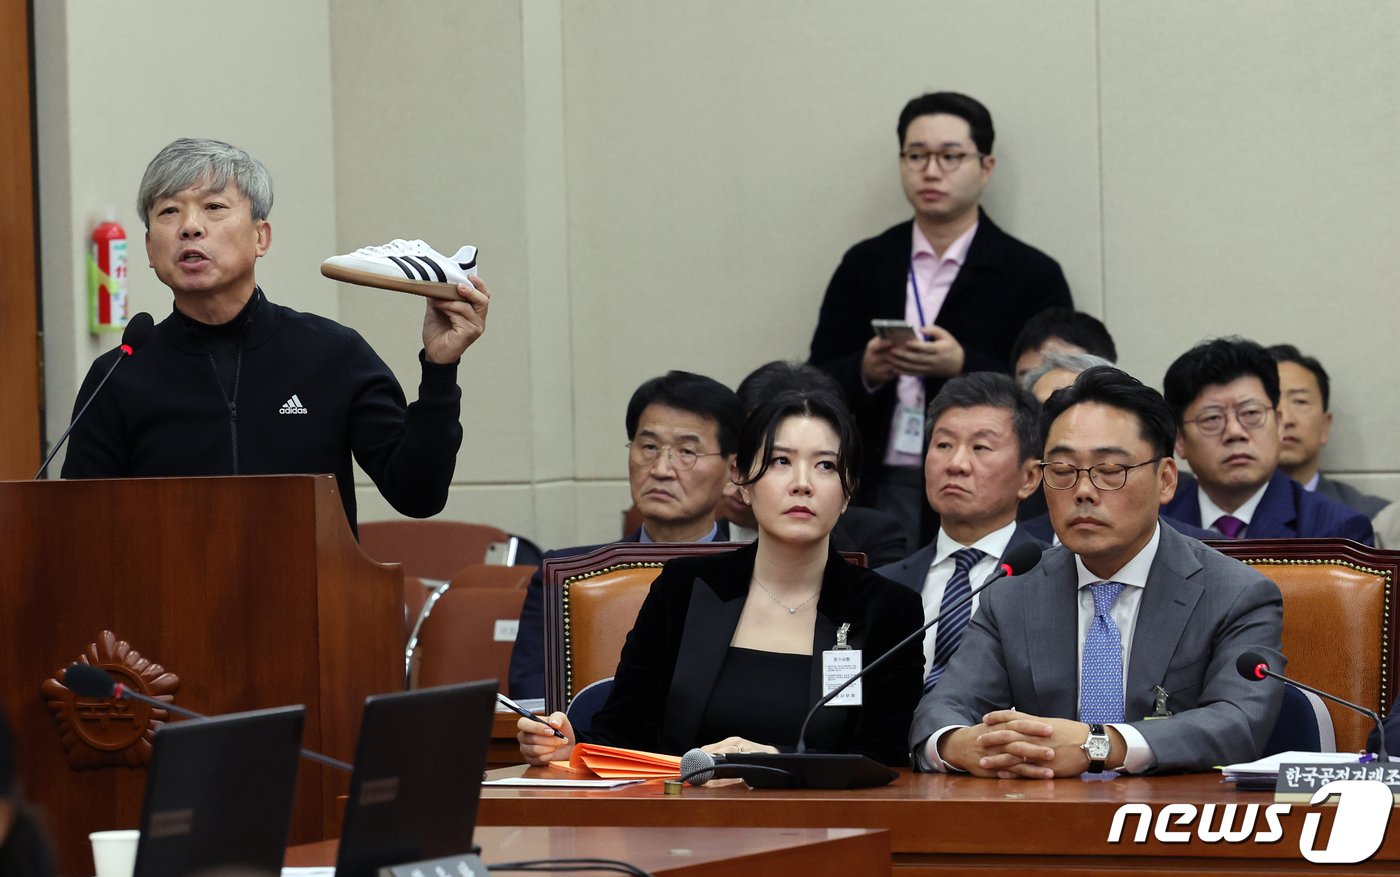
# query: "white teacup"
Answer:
x=114 y=852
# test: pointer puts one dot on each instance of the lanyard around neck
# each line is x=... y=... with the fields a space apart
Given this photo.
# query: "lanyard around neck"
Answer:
x=918 y=300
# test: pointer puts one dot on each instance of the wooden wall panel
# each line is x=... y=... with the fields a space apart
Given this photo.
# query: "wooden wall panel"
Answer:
x=19 y=336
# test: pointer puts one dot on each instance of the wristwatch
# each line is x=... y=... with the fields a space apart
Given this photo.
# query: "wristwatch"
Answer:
x=1097 y=747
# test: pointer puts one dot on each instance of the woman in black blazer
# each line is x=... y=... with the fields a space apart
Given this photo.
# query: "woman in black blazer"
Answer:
x=726 y=652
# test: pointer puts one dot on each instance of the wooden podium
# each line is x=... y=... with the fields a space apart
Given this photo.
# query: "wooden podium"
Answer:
x=247 y=592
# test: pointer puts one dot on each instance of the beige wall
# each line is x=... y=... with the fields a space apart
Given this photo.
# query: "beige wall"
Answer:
x=669 y=185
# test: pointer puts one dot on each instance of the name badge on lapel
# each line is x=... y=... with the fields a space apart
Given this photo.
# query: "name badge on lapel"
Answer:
x=838 y=665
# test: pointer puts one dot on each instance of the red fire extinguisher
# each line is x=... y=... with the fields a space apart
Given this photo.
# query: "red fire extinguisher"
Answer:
x=107 y=311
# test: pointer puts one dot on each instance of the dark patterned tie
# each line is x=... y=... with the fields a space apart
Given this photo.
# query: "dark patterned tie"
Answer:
x=950 y=626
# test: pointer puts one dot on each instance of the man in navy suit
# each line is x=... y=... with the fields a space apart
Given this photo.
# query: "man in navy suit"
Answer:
x=967 y=286
x=980 y=464
x=682 y=432
x=1225 y=395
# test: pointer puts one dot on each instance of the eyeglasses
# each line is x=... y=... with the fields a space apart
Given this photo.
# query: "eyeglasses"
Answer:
x=645 y=453
x=1104 y=476
x=1250 y=416
x=918 y=159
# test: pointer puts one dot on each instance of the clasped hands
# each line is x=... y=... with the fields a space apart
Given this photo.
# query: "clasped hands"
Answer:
x=1015 y=745
x=539 y=746
x=938 y=356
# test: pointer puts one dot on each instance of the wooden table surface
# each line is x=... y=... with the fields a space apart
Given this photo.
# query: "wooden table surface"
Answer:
x=681 y=852
x=941 y=823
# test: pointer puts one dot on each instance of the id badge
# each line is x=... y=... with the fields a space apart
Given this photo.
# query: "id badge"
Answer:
x=838 y=665
x=910 y=438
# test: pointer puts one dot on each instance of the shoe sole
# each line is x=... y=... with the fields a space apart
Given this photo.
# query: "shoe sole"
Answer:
x=425 y=288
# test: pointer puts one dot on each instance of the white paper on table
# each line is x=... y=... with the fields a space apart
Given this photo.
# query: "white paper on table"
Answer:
x=1269 y=765
x=540 y=783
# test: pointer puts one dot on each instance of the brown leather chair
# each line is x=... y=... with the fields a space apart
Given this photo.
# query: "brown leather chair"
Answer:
x=491 y=575
x=468 y=636
x=1339 y=620
x=422 y=595
x=419 y=598
x=435 y=549
x=591 y=602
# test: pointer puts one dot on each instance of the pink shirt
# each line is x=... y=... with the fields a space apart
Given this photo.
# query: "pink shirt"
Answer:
x=934 y=277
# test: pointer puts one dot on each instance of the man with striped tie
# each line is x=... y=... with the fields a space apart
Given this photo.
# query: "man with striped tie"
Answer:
x=1118 y=651
x=984 y=439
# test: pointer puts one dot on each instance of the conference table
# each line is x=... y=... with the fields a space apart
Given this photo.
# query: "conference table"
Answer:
x=959 y=824
x=681 y=852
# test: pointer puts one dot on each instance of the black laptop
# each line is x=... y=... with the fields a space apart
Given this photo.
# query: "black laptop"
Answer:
x=417 y=778
x=219 y=794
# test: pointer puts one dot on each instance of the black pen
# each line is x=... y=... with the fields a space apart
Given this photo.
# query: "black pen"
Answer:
x=517 y=708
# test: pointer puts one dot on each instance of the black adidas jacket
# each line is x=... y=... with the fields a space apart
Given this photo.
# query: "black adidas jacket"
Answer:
x=164 y=413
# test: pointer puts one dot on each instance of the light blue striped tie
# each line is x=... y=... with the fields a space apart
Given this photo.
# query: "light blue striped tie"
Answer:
x=1101 y=687
x=950 y=626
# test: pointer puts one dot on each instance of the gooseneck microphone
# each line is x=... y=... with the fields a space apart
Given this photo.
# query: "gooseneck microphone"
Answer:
x=138 y=331
x=86 y=680
x=812 y=770
x=699 y=767
x=1019 y=560
x=1255 y=667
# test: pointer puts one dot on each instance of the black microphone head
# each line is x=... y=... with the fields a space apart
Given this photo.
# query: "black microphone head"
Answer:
x=1251 y=665
x=89 y=681
x=1023 y=558
x=138 y=330
x=694 y=760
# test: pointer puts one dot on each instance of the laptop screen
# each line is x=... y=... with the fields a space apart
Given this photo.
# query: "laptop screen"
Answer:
x=219 y=794
x=417 y=778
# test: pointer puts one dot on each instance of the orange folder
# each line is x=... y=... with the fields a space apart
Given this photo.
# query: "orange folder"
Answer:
x=612 y=763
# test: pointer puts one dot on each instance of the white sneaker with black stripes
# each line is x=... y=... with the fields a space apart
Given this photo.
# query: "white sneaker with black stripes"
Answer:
x=407 y=266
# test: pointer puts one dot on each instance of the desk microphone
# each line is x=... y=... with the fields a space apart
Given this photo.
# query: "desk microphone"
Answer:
x=822 y=770
x=1255 y=667
x=85 y=680
x=138 y=330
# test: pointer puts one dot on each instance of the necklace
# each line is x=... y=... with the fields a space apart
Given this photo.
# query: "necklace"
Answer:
x=792 y=610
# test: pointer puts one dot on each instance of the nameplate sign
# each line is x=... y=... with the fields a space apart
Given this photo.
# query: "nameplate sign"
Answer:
x=1298 y=782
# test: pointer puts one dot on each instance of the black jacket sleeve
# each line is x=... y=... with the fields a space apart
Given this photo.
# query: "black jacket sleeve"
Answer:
x=410 y=451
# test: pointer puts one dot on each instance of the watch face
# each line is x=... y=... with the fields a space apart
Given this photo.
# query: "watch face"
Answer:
x=1098 y=747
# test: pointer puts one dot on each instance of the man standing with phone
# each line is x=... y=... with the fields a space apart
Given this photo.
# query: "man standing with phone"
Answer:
x=964 y=284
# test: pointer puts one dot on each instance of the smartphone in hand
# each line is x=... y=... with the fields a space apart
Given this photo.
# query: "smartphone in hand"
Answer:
x=897 y=331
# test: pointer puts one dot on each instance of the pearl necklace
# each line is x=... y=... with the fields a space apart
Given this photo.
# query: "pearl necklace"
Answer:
x=792 y=610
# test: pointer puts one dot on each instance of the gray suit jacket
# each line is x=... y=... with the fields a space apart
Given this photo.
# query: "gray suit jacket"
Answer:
x=1199 y=611
x=1349 y=496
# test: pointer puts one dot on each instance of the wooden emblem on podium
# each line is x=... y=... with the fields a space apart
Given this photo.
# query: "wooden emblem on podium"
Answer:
x=108 y=732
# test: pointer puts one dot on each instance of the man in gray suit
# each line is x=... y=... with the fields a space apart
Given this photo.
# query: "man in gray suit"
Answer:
x=984 y=437
x=1118 y=651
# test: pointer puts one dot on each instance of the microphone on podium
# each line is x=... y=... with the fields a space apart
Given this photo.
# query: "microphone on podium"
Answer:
x=138 y=330
x=821 y=770
x=1255 y=667
x=85 y=680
